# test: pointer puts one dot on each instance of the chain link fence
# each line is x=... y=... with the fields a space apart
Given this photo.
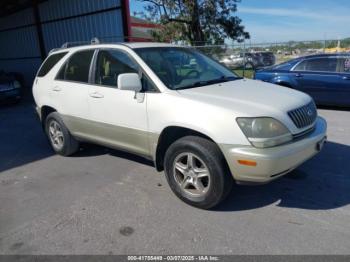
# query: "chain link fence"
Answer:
x=245 y=58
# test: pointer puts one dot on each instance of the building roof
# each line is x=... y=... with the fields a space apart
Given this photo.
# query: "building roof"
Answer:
x=141 y=29
x=139 y=22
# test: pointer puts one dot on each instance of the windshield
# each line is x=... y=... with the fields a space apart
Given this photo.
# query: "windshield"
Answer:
x=181 y=68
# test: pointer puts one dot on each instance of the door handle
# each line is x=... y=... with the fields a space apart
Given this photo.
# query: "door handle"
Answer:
x=298 y=75
x=56 y=89
x=346 y=77
x=96 y=95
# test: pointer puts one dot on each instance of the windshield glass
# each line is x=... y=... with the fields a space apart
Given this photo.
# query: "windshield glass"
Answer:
x=181 y=68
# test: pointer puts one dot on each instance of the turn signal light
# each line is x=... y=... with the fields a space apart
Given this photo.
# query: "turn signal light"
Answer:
x=247 y=162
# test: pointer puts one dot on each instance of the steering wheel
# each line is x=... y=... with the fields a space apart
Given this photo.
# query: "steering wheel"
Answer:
x=192 y=72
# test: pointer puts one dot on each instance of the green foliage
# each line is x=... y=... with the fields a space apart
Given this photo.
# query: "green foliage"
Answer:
x=197 y=22
x=292 y=45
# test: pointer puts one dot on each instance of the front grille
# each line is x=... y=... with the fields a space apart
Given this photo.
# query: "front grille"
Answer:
x=304 y=116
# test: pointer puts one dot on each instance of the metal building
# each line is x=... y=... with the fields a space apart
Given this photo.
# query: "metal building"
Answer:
x=29 y=29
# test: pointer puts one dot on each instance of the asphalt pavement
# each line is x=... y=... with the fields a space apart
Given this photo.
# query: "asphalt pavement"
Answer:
x=103 y=201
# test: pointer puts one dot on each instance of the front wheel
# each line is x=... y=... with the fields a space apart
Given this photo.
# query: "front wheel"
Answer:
x=197 y=172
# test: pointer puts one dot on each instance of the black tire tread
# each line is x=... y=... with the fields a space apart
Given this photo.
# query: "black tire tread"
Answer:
x=217 y=161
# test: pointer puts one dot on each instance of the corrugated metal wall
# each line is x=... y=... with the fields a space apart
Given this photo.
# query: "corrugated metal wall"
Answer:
x=61 y=21
x=80 y=28
x=19 y=48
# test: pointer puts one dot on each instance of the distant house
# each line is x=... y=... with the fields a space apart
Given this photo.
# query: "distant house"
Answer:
x=141 y=29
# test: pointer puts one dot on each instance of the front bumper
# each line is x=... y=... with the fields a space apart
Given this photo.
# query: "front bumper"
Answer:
x=273 y=162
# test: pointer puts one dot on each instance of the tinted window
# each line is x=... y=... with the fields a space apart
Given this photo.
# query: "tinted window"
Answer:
x=147 y=84
x=50 y=62
x=318 y=64
x=112 y=63
x=77 y=68
x=344 y=65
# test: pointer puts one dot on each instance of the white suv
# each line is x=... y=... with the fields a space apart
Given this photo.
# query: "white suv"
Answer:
x=199 y=122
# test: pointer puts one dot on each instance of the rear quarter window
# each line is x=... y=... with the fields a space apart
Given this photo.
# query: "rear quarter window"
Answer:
x=49 y=63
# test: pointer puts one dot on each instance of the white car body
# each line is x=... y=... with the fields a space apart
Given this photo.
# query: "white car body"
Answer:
x=135 y=121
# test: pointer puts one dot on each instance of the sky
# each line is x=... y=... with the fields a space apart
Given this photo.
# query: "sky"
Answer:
x=284 y=20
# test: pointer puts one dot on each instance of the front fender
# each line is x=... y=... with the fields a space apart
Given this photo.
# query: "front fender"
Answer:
x=283 y=80
x=214 y=122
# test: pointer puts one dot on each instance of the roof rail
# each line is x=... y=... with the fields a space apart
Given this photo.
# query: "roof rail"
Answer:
x=93 y=41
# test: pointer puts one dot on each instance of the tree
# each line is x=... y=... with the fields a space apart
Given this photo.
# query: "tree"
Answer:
x=197 y=21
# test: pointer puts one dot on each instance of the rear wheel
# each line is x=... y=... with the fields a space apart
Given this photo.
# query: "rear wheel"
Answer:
x=62 y=142
x=197 y=172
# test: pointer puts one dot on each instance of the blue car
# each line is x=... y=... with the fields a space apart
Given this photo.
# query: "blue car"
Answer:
x=325 y=77
x=10 y=88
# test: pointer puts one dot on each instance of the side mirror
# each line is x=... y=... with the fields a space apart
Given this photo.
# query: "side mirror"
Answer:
x=129 y=81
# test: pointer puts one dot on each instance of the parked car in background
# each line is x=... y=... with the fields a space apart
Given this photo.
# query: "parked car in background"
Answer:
x=240 y=60
x=198 y=121
x=325 y=77
x=10 y=87
x=265 y=59
x=249 y=60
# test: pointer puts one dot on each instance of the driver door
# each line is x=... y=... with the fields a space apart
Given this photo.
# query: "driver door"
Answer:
x=318 y=78
x=119 y=116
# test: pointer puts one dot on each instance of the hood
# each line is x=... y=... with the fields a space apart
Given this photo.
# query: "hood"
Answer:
x=249 y=97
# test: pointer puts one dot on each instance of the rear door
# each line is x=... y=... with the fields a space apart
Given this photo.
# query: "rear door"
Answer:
x=70 y=89
x=344 y=80
x=42 y=86
x=318 y=77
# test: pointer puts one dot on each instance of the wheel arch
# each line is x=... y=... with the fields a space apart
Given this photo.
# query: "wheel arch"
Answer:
x=45 y=110
x=168 y=136
x=284 y=83
x=282 y=80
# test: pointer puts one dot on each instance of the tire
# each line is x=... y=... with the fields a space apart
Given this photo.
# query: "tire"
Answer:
x=189 y=182
x=62 y=142
x=249 y=66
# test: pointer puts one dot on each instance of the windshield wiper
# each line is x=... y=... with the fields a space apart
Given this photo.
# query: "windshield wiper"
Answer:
x=210 y=82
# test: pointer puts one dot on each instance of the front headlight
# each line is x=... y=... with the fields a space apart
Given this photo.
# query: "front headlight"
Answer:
x=264 y=131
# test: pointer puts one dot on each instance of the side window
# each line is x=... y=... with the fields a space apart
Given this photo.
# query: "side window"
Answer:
x=110 y=64
x=301 y=66
x=323 y=64
x=344 y=65
x=147 y=84
x=77 y=68
x=49 y=63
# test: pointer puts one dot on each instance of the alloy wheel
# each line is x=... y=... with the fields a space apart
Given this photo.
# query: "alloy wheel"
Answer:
x=191 y=174
x=56 y=135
